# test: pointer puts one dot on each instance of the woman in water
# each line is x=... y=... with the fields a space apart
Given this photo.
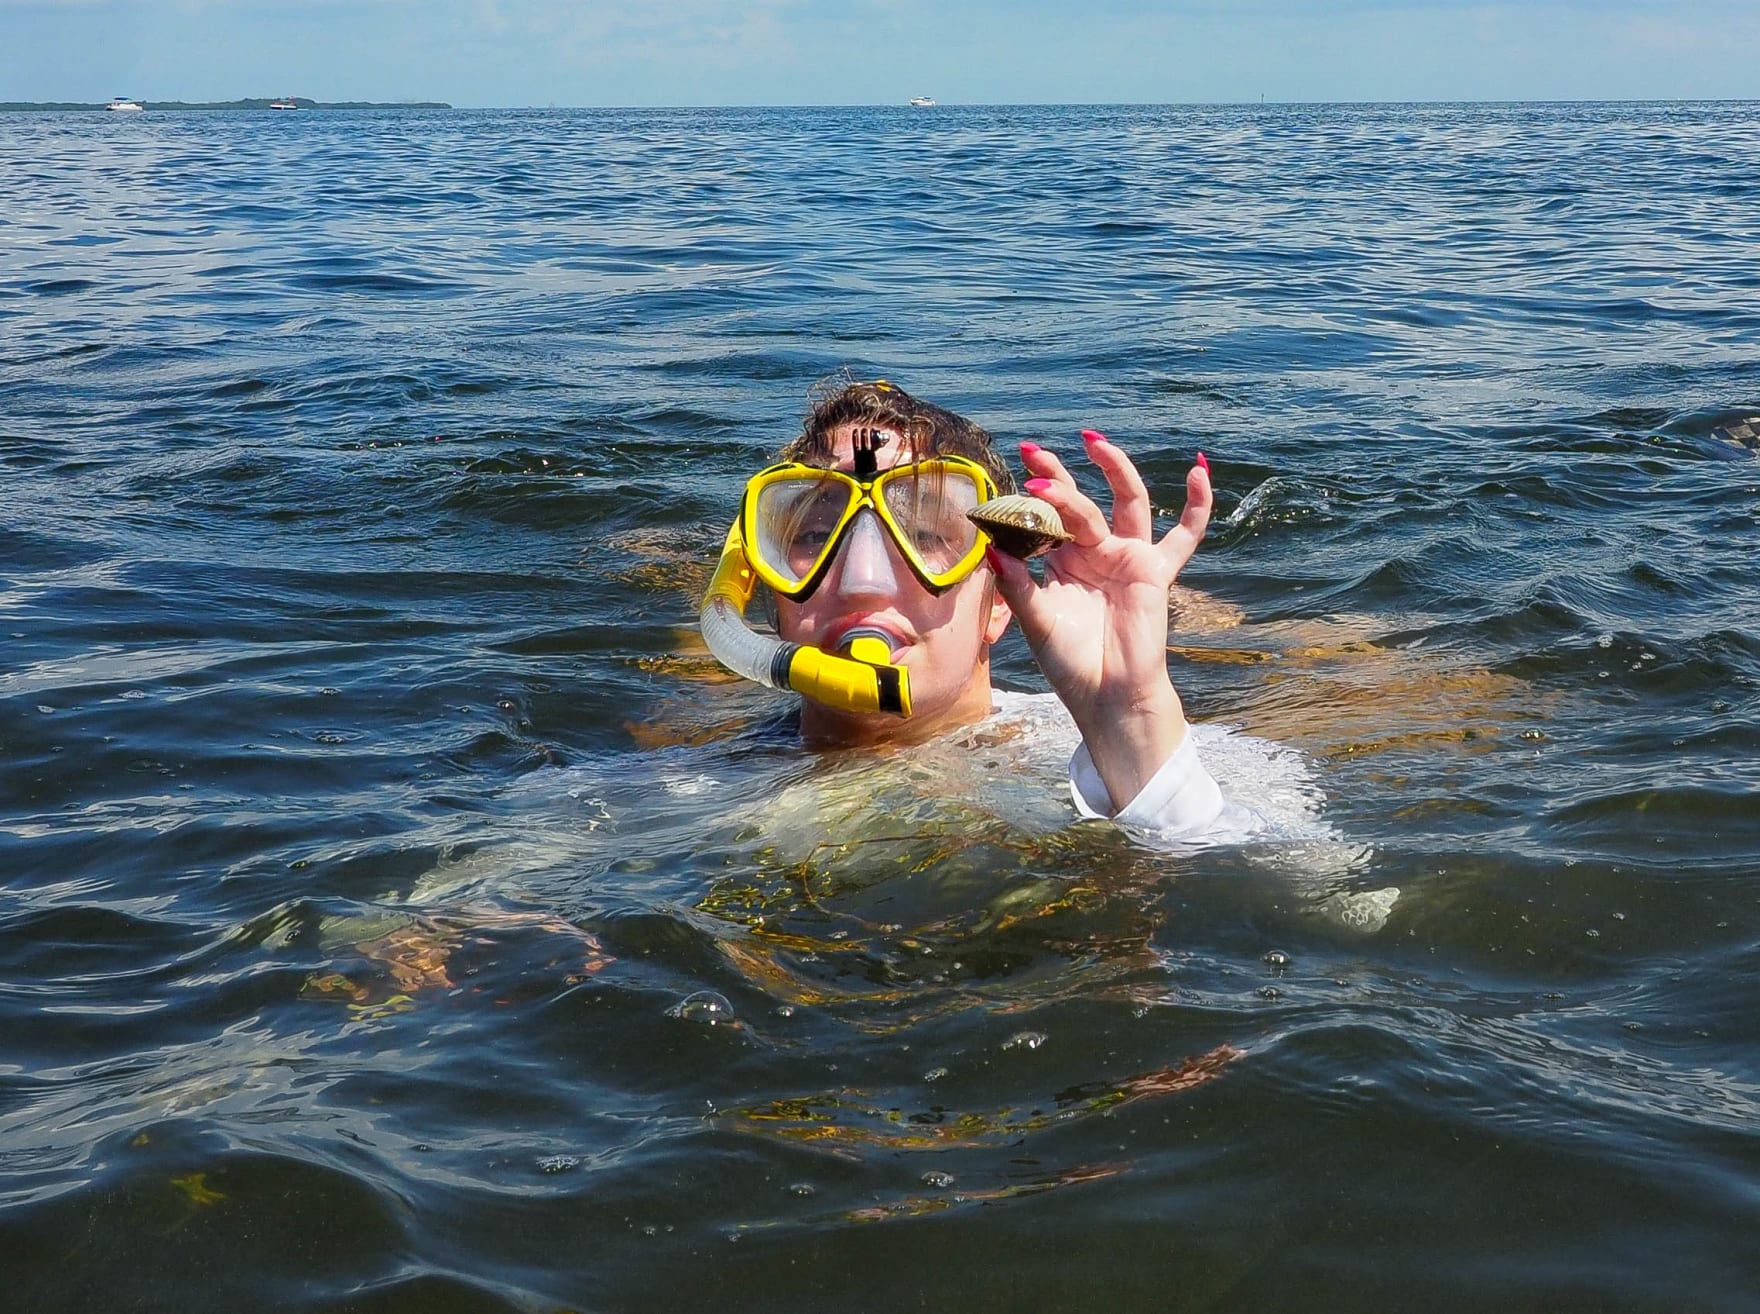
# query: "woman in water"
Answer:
x=862 y=536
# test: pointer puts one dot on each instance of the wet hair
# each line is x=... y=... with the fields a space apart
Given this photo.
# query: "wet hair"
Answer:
x=931 y=430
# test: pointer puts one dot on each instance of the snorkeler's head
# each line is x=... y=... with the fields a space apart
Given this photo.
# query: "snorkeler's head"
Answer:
x=907 y=579
x=882 y=605
x=928 y=429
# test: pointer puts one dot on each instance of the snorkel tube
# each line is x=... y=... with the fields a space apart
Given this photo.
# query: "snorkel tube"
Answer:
x=864 y=681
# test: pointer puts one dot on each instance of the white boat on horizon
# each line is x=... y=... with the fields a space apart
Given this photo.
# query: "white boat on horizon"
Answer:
x=922 y=102
x=285 y=103
x=125 y=104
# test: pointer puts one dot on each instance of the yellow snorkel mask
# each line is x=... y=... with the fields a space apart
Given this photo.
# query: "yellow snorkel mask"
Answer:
x=792 y=522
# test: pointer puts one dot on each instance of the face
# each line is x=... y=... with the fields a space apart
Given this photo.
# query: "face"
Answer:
x=943 y=639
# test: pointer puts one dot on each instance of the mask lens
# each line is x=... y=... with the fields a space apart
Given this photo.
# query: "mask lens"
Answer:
x=794 y=522
x=929 y=508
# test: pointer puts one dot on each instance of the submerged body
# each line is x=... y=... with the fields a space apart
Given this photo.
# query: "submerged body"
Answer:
x=938 y=837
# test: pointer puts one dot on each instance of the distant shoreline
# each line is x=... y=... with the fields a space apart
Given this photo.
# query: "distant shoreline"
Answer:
x=262 y=103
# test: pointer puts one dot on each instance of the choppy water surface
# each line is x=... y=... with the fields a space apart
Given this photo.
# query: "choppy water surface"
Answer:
x=400 y=914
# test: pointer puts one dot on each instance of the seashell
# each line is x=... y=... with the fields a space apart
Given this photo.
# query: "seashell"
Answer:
x=1020 y=526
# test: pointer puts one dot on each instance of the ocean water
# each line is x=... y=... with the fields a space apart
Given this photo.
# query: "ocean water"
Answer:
x=401 y=913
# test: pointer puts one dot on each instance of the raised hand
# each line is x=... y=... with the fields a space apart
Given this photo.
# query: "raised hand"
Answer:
x=1098 y=624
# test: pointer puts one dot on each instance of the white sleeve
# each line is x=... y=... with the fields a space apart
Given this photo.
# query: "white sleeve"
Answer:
x=1180 y=798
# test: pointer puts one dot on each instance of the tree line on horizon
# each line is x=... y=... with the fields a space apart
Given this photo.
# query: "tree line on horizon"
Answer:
x=262 y=102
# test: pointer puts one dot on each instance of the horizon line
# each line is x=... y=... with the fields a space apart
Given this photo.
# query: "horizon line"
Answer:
x=976 y=104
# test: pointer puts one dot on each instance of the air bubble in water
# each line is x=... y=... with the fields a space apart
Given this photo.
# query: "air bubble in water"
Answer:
x=1025 y=1040
x=938 y=1180
x=558 y=1163
x=1276 y=958
x=705 y=1007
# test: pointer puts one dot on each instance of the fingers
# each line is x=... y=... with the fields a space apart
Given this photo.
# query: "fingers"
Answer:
x=1178 y=544
x=1054 y=484
x=1133 y=515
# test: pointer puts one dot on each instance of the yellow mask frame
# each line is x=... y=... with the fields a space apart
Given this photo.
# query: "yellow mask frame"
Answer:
x=863 y=491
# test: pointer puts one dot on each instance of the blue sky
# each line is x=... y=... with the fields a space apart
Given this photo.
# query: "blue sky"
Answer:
x=827 y=52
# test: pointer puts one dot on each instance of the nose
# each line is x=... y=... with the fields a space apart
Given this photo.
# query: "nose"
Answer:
x=864 y=566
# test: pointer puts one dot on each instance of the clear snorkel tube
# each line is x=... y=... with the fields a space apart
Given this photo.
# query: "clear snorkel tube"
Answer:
x=864 y=681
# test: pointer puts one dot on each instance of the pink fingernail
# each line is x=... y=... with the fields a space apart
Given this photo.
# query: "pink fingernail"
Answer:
x=1093 y=436
x=1036 y=486
x=1028 y=449
x=994 y=558
x=1203 y=463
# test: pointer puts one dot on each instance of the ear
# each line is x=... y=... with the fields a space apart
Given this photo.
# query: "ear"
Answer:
x=1000 y=616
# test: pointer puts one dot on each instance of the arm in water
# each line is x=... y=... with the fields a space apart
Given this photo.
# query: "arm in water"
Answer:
x=1098 y=629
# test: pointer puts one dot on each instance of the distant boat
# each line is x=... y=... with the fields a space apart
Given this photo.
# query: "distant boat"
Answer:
x=286 y=102
x=922 y=102
x=124 y=103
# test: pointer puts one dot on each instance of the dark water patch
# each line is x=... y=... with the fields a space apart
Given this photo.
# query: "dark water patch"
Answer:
x=768 y=365
x=26 y=553
x=264 y=213
x=149 y=358
x=1713 y=820
x=167 y=1201
x=1374 y=588
x=1590 y=441
x=1201 y=389
x=1661 y=664
x=565 y=501
x=525 y=462
x=1576 y=489
x=317 y=323
x=436 y=1289
x=57 y=353
x=207 y=469
x=664 y=424
x=238 y=388
x=81 y=1025
x=1727 y=737
x=63 y=951
x=390 y=284
x=58 y=287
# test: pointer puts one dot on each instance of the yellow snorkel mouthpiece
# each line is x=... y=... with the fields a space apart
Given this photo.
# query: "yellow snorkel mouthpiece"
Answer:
x=870 y=649
x=865 y=681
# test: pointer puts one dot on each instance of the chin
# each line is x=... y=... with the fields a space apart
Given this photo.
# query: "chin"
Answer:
x=932 y=715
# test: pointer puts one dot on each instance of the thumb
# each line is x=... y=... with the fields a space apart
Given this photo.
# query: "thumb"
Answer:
x=1020 y=591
